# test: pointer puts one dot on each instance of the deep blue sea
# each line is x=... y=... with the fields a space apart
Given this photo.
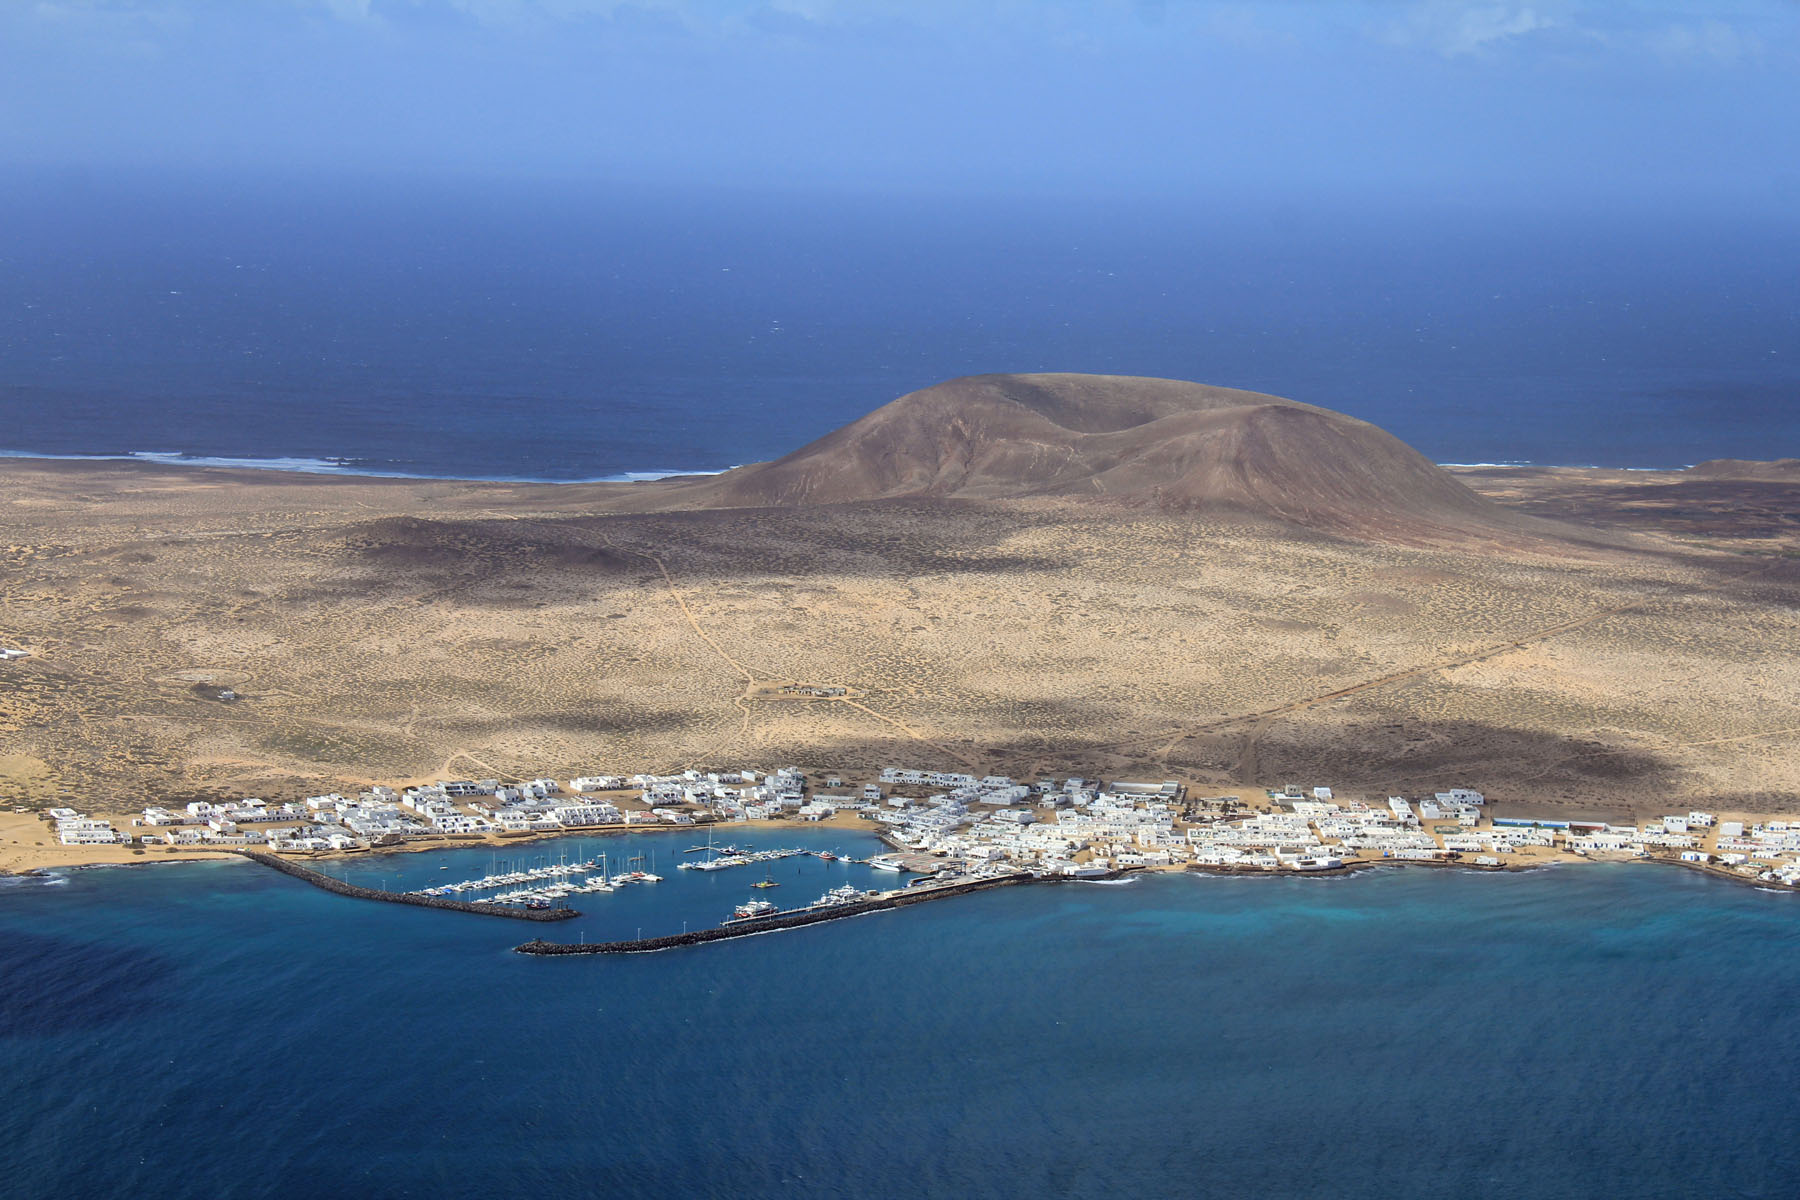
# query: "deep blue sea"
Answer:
x=219 y=1030
x=579 y=331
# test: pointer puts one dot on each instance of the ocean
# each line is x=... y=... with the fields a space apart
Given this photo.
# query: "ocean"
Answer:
x=220 y=1030
x=577 y=332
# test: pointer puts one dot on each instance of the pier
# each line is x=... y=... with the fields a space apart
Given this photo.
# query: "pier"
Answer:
x=740 y=858
x=340 y=888
x=792 y=919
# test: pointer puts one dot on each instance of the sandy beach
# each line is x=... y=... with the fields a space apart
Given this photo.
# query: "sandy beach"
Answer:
x=28 y=843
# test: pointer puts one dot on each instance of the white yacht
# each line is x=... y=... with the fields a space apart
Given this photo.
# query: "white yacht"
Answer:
x=752 y=908
x=846 y=894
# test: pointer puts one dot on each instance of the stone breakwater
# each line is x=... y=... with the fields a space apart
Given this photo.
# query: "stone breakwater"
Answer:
x=790 y=920
x=340 y=888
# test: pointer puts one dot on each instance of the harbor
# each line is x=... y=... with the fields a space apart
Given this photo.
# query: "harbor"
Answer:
x=788 y=871
x=707 y=906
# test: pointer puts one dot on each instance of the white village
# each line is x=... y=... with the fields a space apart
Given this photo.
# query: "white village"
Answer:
x=953 y=825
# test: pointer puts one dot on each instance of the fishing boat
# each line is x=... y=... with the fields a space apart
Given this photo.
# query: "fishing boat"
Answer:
x=768 y=881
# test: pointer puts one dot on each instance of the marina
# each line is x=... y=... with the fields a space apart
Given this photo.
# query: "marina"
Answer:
x=541 y=888
x=562 y=879
x=547 y=886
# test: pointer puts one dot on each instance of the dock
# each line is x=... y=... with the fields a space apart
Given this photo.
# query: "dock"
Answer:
x=727 y=859
x=792 y=919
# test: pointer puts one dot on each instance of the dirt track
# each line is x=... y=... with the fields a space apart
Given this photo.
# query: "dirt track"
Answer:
x=386 y=630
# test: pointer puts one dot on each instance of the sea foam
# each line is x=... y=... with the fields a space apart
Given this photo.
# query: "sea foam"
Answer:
x=345 y=466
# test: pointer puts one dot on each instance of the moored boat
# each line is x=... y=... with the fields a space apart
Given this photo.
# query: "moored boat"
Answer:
x=845 y=894
x=753 y=908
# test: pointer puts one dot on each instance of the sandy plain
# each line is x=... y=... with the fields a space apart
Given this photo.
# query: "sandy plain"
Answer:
x=391 y=630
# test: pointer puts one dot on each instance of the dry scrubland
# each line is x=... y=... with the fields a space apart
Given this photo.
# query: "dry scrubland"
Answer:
x=386 y=630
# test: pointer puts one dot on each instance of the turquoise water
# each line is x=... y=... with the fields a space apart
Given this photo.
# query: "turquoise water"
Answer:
x=220 y=1030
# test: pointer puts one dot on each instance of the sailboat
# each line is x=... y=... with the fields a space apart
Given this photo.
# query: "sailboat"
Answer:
x=603 y=884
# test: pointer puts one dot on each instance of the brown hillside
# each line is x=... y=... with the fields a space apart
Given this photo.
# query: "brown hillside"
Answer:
x=1153 y=442
x=1780 y=470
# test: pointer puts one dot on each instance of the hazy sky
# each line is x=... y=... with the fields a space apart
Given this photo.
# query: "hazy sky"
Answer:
x=1558 y=101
